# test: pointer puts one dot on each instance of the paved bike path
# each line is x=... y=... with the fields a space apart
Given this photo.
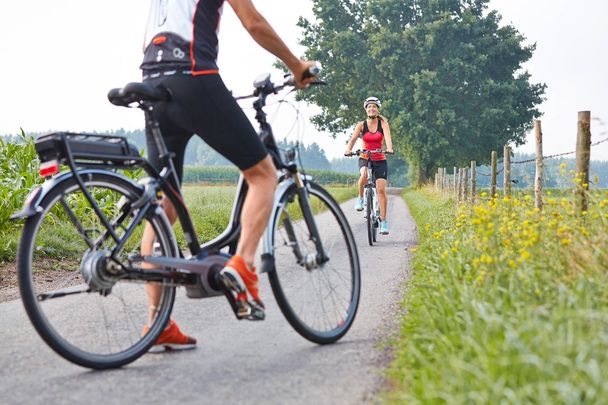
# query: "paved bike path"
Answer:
x=236 y=362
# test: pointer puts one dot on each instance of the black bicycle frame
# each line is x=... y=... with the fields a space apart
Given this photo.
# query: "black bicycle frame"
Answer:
x=230 y=236
x=166 y=181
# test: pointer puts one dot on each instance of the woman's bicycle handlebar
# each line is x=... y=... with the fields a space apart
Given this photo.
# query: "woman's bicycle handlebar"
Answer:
x=359 y=152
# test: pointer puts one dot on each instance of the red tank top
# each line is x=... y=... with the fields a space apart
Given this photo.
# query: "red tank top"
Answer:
x=373 y=140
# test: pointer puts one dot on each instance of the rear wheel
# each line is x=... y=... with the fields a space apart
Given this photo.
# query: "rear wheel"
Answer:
x=319 y=300
x=84 y=312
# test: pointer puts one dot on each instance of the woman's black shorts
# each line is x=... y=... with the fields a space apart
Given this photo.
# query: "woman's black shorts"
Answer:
x=379 y=168
x=202 y=105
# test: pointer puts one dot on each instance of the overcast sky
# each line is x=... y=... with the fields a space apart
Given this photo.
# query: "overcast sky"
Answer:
x=60 y=58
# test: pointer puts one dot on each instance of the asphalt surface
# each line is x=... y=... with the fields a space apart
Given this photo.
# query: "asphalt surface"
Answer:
x=235 y=362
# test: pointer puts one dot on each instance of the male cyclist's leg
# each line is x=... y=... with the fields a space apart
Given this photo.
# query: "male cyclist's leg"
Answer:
x=261 y=180
x=176 y=140
x=225 y=127
x=239 y=277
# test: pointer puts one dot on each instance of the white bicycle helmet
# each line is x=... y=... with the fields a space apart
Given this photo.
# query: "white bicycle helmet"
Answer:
x=372 y=100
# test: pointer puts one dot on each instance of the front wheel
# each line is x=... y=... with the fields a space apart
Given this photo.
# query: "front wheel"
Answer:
x=84 y=313
x=370 y=216
x=319 y=300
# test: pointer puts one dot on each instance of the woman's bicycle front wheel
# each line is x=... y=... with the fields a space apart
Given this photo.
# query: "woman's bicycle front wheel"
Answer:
x=370 y=215
x=319 y=300
x=96 y=324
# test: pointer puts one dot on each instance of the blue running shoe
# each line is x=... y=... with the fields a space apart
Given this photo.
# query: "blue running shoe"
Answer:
x=384 y=227
x=359 y=204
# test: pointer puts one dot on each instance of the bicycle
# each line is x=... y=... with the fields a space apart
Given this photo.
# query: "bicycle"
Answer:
x=82 y=279
x=370 y=196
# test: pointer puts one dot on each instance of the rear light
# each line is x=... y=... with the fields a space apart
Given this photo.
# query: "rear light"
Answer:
x=49 y=168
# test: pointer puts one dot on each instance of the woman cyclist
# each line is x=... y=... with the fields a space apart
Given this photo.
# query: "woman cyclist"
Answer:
x=373 y=131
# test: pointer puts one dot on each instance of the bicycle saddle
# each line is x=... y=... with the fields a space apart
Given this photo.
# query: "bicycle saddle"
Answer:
x=136 y=93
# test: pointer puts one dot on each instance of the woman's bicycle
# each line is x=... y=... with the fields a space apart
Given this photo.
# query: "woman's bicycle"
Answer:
x=83 y=281
x=370 y=196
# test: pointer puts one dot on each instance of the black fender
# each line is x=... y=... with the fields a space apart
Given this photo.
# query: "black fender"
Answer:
x=31 y=206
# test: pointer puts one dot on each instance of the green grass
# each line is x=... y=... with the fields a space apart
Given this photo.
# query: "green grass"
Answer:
x=209 y=207
x=506 y=304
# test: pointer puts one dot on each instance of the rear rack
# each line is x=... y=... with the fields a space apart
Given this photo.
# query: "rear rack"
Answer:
x=88 y=150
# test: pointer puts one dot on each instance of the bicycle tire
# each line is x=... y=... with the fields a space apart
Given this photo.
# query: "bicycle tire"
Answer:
x=68 y=323
x=369 y=196
x=299 y=291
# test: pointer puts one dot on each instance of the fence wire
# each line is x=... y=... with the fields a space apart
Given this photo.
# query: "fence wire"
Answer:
x=516 y=162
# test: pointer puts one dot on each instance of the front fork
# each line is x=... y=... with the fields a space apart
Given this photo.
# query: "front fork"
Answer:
x=308 y=215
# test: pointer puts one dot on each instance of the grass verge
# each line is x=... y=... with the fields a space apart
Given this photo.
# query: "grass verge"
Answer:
x=507 y=304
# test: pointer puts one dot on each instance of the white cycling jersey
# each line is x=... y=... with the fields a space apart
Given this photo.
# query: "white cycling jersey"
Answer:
x=181 y=35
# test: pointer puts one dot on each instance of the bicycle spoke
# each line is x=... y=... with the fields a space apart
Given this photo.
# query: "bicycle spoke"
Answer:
x=94 y=322
x=76 y=222
x=319 y=302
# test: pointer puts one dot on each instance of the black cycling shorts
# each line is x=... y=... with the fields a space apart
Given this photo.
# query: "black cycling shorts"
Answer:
x=202 y=105
x=379 y=168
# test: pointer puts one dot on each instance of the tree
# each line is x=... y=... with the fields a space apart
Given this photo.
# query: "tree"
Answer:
x=450 y=79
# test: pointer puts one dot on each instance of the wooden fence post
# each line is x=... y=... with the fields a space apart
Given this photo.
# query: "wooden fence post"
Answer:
x=493 y=179
x=538 y=178
x=458 y=187
x=455 y=183
x=583 y=154
x=437 y=180
x=507 y=170
x=473 y=181
x=465 y=184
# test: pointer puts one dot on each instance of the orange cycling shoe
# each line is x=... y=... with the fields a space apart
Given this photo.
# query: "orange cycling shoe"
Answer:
x=239 y=282
x=171 y=338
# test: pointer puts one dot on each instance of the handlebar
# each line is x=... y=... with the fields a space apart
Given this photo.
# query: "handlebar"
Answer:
x=359 y=152
x=264 y=87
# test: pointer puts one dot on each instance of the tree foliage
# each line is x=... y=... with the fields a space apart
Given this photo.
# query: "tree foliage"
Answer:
x=449 y=77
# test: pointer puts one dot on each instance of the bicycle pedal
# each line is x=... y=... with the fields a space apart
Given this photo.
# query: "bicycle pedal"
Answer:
x=243 y=309
x=249 y=311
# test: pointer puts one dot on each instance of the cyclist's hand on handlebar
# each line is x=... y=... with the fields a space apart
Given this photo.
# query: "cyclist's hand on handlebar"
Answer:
x=390 y=152
x=304 y=73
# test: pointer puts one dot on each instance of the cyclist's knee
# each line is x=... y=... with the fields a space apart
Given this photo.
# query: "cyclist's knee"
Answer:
x=262 y=173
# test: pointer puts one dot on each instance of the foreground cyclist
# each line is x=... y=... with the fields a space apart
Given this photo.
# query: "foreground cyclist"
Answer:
x=180 y=54
x=373 y=131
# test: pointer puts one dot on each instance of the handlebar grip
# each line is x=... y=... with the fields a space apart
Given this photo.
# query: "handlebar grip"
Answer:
x=312 y=71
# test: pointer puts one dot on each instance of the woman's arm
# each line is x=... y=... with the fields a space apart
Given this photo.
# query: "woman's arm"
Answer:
x=353 y=139
x=387 y=136
x=263 y=33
